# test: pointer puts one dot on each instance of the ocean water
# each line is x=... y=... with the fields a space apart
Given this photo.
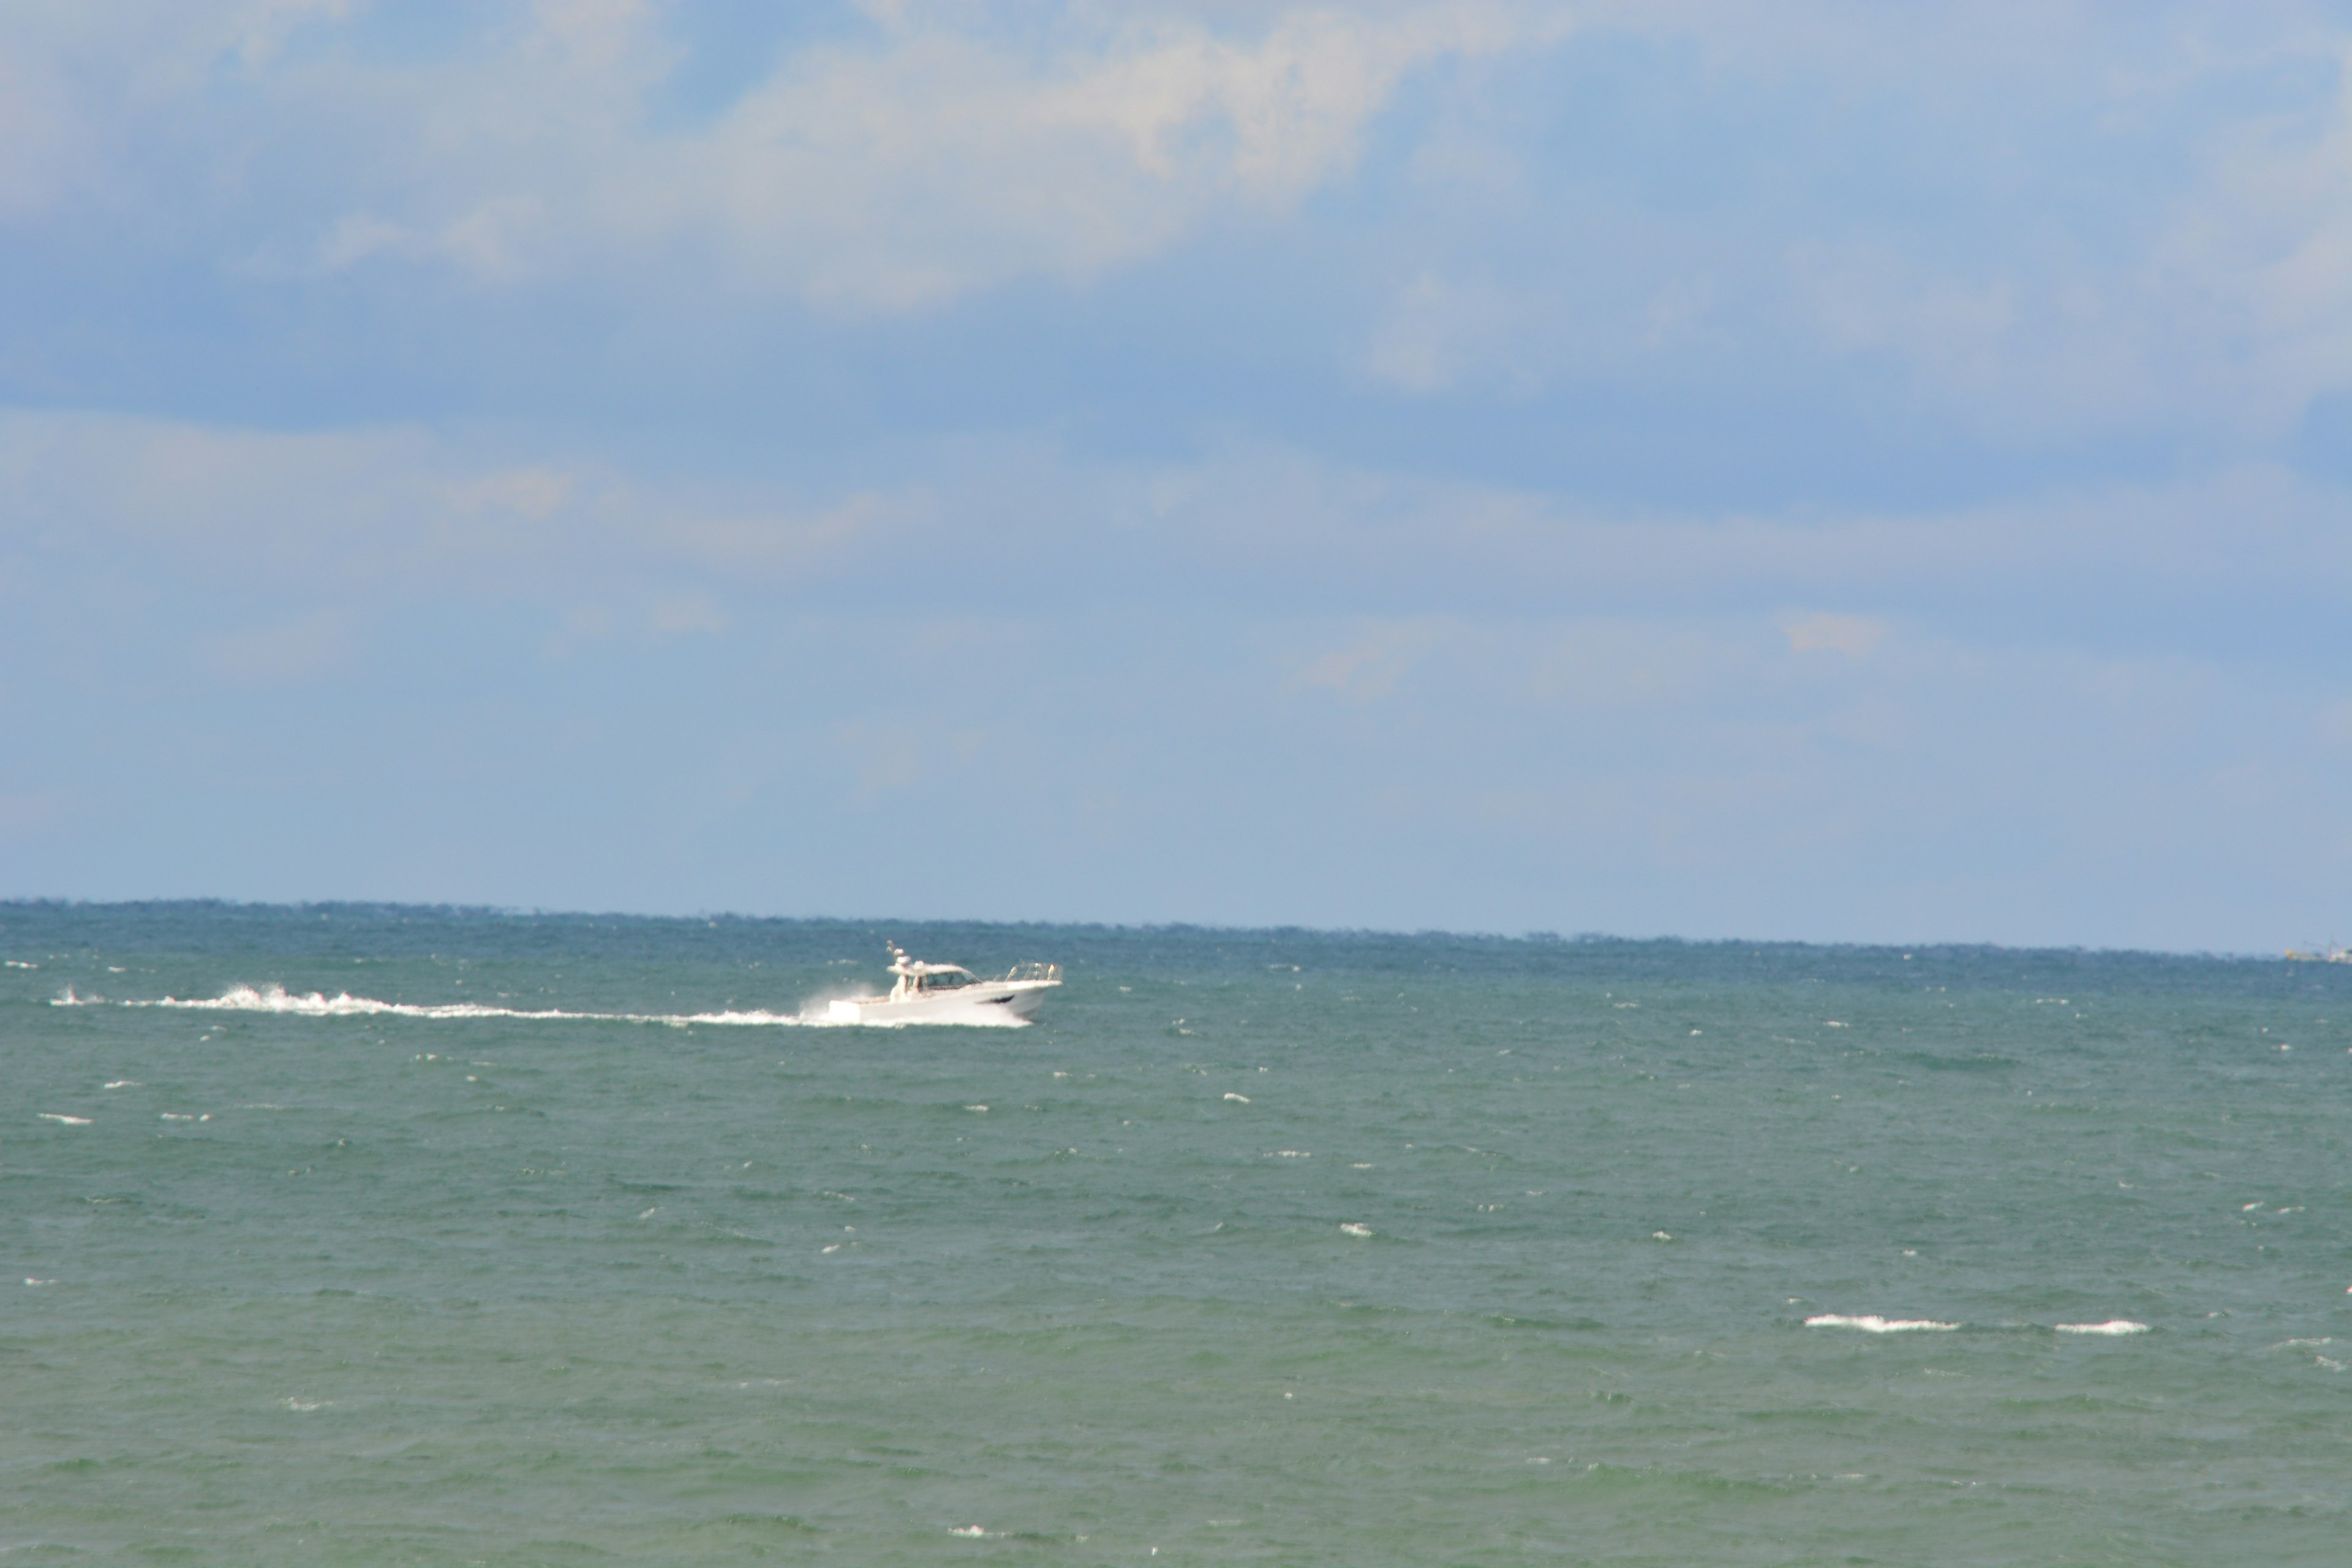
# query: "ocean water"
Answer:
x=1276 y=1248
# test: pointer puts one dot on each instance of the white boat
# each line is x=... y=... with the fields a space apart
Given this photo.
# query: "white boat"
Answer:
x=950 y=993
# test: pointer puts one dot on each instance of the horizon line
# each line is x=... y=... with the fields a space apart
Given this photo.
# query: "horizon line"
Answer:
x=328 y=907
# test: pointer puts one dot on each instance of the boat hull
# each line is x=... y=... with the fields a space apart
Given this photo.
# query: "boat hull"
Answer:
x=990 y=1003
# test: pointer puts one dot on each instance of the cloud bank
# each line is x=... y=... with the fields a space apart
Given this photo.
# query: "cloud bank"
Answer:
x=1815 y=470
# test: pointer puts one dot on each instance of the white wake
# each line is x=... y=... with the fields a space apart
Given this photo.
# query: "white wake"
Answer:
x=275 y=998
x=319 y=1005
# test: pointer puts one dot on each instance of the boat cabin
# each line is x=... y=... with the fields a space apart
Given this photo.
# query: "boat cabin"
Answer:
x=916 y=978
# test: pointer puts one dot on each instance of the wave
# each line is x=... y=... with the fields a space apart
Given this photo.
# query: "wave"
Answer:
x=1870 y=1323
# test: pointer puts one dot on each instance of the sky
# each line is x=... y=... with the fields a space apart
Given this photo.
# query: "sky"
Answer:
x=1826 y=471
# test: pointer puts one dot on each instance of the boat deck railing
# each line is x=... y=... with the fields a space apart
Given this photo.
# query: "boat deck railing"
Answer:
x=1050 y=972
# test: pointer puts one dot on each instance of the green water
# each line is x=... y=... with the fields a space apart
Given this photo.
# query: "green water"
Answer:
x=381 y=1289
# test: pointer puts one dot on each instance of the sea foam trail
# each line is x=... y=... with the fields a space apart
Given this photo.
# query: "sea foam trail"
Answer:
x=317 y=1004
x=2116 y=1326
x=276 y=998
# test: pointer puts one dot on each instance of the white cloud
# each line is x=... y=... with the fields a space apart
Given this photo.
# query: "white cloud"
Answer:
x=897 y=176
x=949 y=149
x=307 y=648
x=534 y=493
x=503 y=240
x=2035 y=225
x=391 y=511
x=1487 y=698
x=40 y=141
x=2334 y=723
x=2051 y=228
x=2056 y=225
x=717 y=532
x=1437 y=331
x=1370 y=666
x=402 y=512
x=1613 y=664
x=1246 y=519
x=680 y=614
x=583 y=626
x=1856 y=636
x=2261 y=257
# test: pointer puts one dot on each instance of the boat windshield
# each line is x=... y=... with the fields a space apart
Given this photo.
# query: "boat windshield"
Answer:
x=947 y=981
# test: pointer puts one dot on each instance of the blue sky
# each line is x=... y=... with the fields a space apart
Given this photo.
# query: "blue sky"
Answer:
x=1832 y=471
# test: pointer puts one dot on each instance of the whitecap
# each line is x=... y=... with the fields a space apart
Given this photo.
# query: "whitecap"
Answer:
x=126 y=1083
x=1237 y=1098
x=2112 y=1326
x=1351 y=1228
x=1292 y=1154
x=1872 y=1323
x=67 y=1121
x=973 y=1531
